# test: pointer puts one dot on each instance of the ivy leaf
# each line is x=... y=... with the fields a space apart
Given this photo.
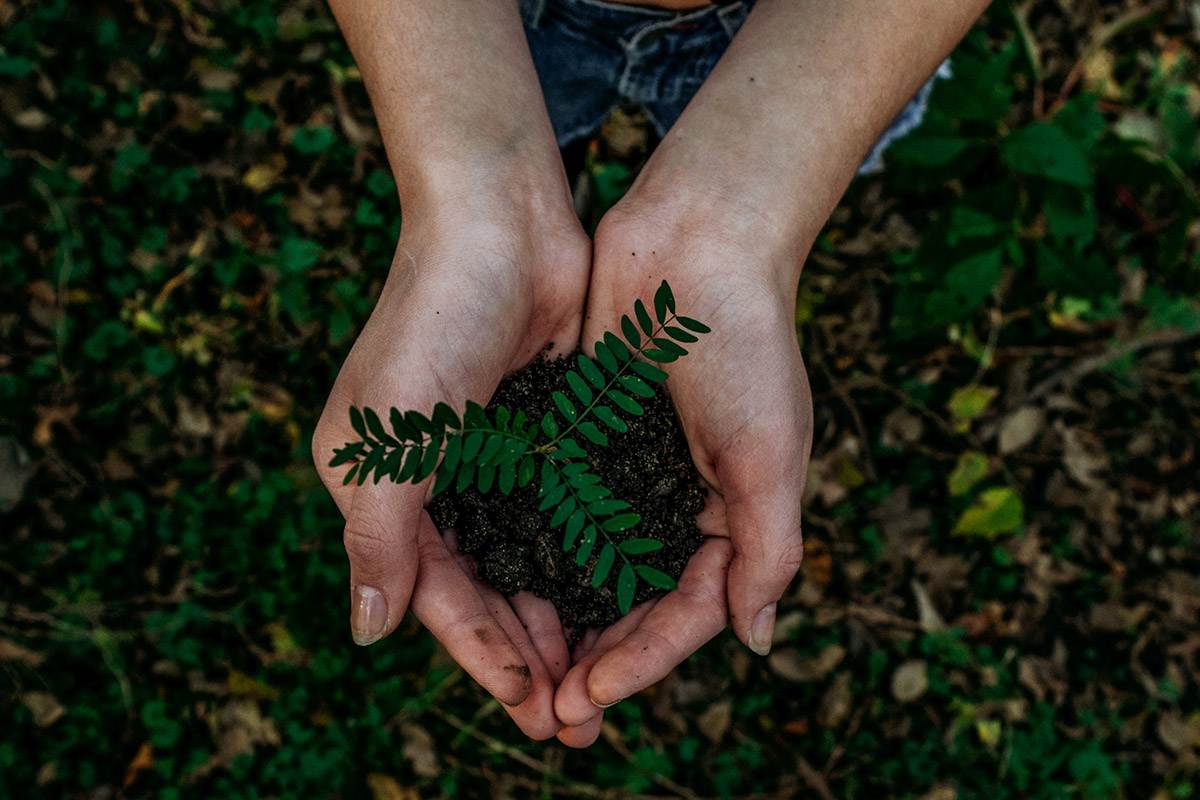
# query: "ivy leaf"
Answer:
x=694 y=325
x=593 y=434
x=507 y=479
x=346 y=454
x=471 y=445
x=643 y=316
x=664 y=302
x=429 y=460
x=635 y=385
x=618 y=348
x=375 y=426
x=403 y=431
x=549 y=477
x=563 y=512
x=485 y=478
x=356 y=422
x=680 y=335
x=420 y=422
x=582 y=391
x=631 y=332
x=654 y=577
x=450 y=457
x=637 y=547
x=606 y=357
x=443 y=481
x=606 y=415
x=648 y=371
x=466 y=474
x=626 y=403
x=621 y=522
x=995 y=511
x=626 y=584
x=590 y=371
x=603 y=565
x=525 y=471
x=603 y=508
x=445 y=416
x=553 y=497
x=564 y=406
x=585 y=546
x=574 y=526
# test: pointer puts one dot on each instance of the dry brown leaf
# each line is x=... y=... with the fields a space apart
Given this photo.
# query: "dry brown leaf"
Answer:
x=11 y=651
x=788 y=664
x=45 y=708
x=1020 y=428
x=715 y=721
x=910 y=680
x=418 y=748
x=385 y=787
x=835 y=705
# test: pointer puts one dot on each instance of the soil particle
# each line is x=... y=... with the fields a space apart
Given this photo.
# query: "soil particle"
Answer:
x=515 y=548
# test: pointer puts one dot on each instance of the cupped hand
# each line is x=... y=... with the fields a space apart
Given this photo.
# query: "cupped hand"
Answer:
x=470 y=298
x=743 y=398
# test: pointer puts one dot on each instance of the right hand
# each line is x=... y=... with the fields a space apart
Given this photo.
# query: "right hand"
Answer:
x=473 y=294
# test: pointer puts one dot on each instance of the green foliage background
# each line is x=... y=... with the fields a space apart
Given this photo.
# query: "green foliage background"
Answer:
x=1000 y=598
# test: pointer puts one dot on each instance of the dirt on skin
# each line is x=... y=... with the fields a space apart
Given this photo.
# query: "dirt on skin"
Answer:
x=648 y=466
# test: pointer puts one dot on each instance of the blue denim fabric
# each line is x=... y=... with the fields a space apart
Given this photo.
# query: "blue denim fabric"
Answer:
x=592 y=55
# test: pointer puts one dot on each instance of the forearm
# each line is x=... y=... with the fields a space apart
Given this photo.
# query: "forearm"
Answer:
x=779 y=128
x=457 y=99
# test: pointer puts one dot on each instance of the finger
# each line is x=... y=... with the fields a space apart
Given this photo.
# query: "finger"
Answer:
x=447 y=603
x=535 y=716
x=678 y=626
x=712 y=520
x=571 y=701
x=584 y=735
x=545 y=630
x=380 y=534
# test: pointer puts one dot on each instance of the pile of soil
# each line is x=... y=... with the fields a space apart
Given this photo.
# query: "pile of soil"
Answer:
x=648 y=466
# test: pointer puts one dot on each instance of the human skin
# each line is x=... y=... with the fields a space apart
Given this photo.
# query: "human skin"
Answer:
x=492 y=266
x=726 y=210
x=490 y=269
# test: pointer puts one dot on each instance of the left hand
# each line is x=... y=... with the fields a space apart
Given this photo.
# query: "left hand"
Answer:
x=743 y=397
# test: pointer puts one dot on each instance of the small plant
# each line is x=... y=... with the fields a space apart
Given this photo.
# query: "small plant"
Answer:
x=507 y=449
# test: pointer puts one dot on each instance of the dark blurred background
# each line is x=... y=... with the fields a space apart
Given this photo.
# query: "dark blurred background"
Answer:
x=1000 y=597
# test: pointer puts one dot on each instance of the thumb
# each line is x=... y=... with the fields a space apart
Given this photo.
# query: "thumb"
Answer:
x=381 y=543
x=764 y=527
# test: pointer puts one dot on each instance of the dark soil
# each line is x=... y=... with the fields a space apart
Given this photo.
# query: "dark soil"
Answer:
x=514 y=546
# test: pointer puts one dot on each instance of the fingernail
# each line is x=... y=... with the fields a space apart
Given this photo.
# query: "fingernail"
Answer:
x=368 y=617
x=761 y=629
x=603 y=705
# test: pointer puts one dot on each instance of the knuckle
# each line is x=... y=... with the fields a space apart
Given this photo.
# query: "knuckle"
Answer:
x=366 y=538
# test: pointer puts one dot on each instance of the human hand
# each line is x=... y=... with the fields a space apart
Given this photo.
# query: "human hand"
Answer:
x=743 y=398
x=473 y=294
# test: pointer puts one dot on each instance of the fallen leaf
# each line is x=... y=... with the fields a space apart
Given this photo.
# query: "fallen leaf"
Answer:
x=972 y=467
x=715 y=721
x=788 y=664
x=418 y=748
x=927 y=613
x=11 y=651
x=988 y=731
x=910 y=680
x=16 y=469
x=385 y=787
x=835 y=705
x=968 y=402
x=142 y=761
x=1019 y=429
x=995 y=511
x=45 y=708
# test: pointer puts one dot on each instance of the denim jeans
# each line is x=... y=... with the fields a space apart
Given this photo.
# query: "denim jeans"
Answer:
x=592 y=55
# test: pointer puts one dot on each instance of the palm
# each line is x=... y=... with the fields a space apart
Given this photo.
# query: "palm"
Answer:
x=453 y=319
x=743 y=399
